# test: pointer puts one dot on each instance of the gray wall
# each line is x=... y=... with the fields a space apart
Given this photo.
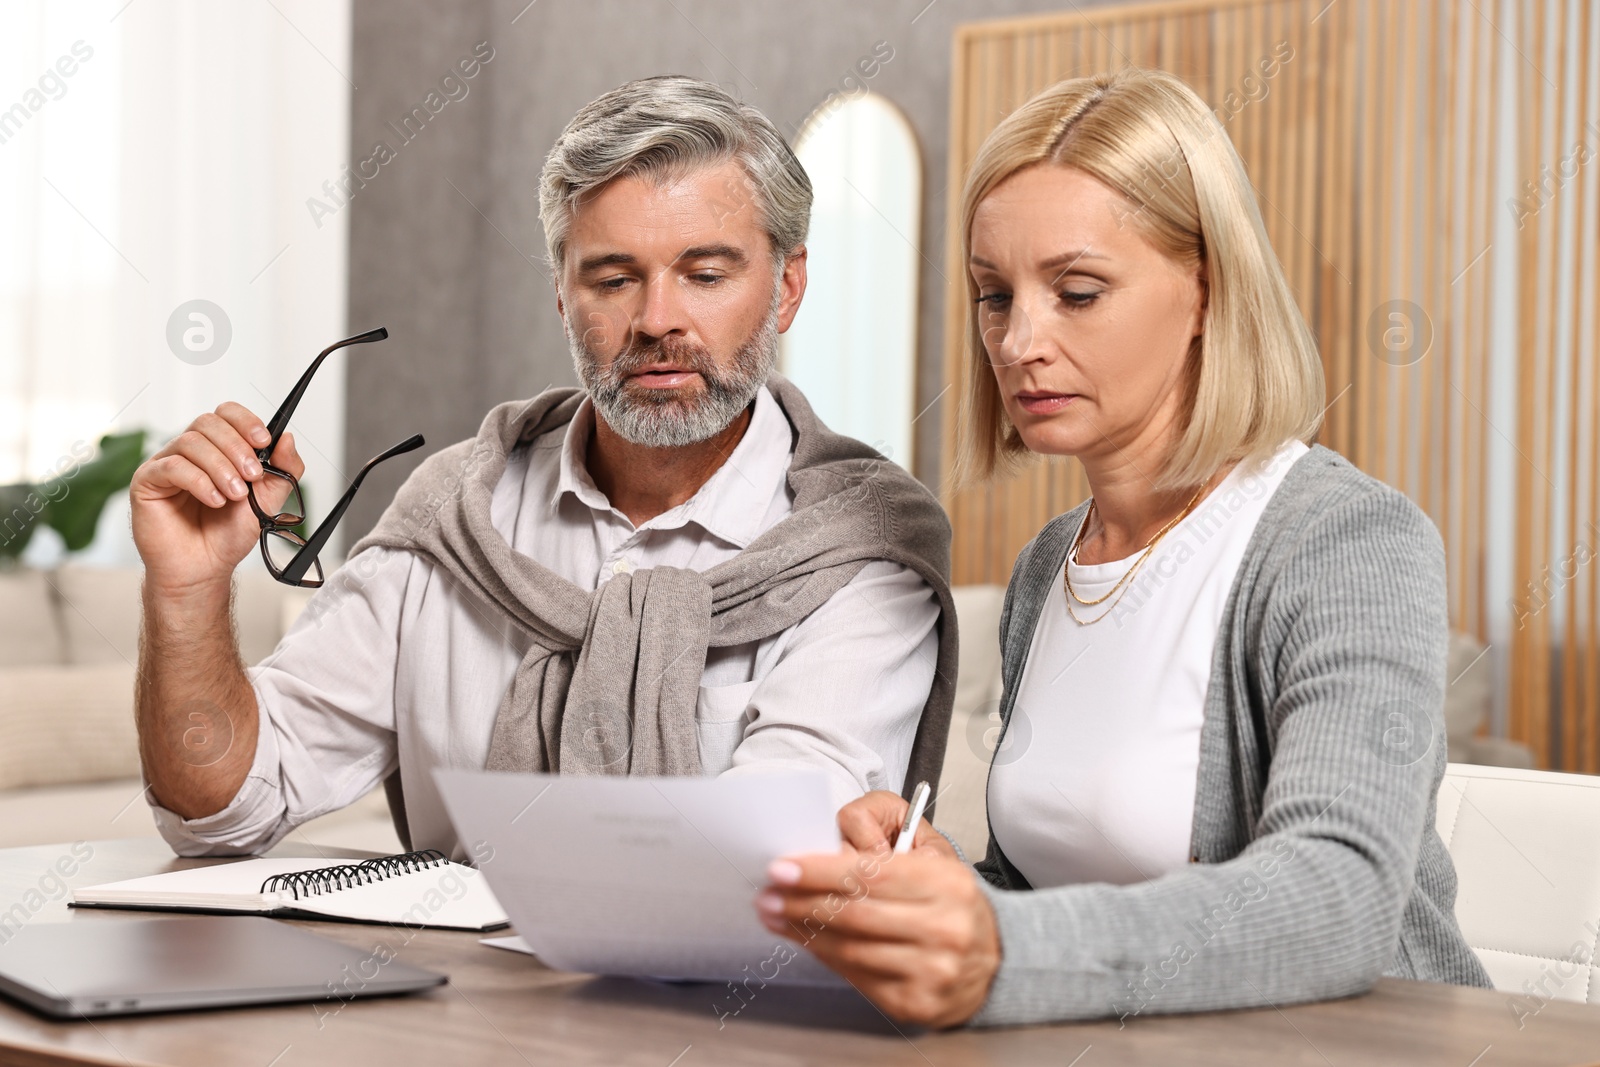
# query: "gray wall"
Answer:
x=446 y=247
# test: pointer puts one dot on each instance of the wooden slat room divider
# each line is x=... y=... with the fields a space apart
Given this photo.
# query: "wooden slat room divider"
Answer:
x=1426 y=171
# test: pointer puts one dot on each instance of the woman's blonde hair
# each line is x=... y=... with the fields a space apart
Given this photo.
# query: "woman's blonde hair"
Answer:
x=1255 y=379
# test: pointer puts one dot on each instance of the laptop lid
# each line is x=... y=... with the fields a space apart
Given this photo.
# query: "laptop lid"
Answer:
x=125 y=966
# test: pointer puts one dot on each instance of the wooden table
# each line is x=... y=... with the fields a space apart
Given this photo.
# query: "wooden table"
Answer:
x=506 y=1008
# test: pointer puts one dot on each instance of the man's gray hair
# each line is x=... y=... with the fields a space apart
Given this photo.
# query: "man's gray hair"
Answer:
x=661 y=128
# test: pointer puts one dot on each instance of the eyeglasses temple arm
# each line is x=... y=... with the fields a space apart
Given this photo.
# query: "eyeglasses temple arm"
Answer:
x=307 y=555
x=280 y=418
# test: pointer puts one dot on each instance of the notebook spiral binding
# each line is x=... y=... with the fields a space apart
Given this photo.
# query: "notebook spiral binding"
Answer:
x=345 y=875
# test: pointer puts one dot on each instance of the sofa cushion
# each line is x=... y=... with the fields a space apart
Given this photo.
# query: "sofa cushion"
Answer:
x=28 y=630
x=1469 y=694
x=978 y=666
x=84 y=811
x=101 y=610
x=100 y=613
x=48 y=815
x=66 y=724
x=974 y=721
x=258 y=611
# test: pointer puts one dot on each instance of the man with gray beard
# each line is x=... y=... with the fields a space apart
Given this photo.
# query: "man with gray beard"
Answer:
x=676 y=569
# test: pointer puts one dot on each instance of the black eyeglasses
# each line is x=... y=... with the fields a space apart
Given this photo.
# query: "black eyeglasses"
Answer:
x=290 y=558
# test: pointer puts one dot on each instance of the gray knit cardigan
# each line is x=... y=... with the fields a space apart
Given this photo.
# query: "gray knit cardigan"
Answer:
x=1315 y=866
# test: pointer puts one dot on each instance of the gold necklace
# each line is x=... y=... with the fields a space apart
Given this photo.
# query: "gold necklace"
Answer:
x=1127 y=577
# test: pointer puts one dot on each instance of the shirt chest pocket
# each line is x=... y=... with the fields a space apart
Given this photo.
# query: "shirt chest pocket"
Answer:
x=720 y=717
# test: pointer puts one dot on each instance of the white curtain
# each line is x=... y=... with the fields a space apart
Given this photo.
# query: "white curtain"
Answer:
x=153 y=153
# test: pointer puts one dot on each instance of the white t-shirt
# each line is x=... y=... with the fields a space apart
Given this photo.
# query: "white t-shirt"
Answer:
x=1096 y=779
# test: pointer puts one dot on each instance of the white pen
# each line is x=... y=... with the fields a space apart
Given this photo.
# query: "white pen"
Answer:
x=908 y=831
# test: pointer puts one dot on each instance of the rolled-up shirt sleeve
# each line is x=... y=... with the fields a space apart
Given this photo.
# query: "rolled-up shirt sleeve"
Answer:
x=325 y=698
x=848 y=687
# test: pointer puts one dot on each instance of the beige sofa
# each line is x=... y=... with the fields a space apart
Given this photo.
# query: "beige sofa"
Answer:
x=69 y=766
x=69 y=763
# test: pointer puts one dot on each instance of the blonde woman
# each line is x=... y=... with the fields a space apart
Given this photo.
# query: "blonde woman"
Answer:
x=1224 y=673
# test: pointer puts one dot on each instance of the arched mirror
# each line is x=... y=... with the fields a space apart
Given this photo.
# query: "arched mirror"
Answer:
x=853 y=345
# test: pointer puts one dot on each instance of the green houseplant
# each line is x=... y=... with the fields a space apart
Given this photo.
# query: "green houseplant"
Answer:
x=71 y=500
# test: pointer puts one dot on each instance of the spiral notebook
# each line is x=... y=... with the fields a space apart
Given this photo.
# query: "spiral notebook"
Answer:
x=412 y=889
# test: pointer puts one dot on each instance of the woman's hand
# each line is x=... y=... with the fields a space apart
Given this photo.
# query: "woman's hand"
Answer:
x=913 y=932
x=872 y=822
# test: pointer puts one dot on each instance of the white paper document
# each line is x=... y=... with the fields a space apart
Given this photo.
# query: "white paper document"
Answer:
x=651 y=877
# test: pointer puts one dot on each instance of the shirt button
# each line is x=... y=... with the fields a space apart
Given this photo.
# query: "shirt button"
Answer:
x=622 y=566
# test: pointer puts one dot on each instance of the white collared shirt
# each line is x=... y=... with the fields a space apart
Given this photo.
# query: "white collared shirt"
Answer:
x=393 y=664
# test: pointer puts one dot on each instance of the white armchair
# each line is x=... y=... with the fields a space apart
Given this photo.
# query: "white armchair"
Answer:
x=1526 y=846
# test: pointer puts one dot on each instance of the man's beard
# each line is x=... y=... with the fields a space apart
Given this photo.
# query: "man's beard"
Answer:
x=672 y=418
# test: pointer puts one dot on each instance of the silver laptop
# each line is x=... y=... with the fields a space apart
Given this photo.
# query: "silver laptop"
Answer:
x=125 y=966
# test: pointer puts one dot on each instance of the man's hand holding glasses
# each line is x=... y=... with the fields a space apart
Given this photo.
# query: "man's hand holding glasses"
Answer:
x=225 y=486
x=229 y=484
